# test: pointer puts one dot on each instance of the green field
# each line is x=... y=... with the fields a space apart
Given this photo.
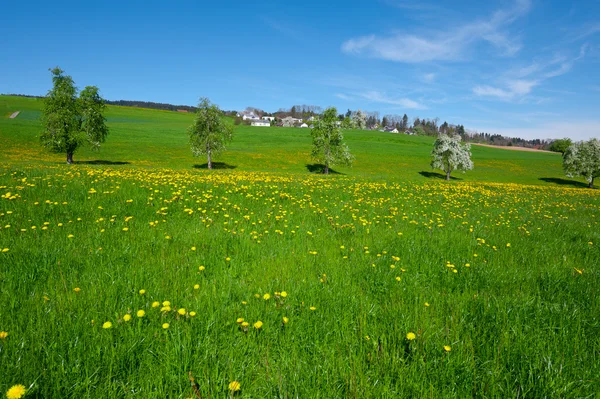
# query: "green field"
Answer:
x=494 y=274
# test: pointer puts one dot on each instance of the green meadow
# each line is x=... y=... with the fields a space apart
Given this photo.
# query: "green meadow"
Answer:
x=136 y=272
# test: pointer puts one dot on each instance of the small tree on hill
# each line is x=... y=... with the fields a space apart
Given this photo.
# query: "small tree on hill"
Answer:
x=209 y=133
x=70 y=121
x=328 y=141
x=449 y=154
x=560 y=145
x=583 y=159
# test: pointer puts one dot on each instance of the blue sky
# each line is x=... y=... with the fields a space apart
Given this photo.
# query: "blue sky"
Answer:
x=526 y=68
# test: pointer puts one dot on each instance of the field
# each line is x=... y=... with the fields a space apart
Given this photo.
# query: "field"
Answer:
x=136 y=270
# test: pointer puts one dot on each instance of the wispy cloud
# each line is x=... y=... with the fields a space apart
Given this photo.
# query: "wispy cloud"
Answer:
x=518 y=83
x=344 y=96
x=283 y=28
x=381 y=98
x=450 y=45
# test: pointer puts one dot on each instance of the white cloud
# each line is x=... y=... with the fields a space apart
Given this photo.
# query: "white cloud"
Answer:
x=429 y=77
x=344 y=96
x=448 y=45
x=378 y=97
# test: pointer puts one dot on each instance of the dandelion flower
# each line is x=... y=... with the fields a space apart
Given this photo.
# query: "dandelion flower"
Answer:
x=107 y=325
x=508 y=245
x=166 y=303
x=201 y=268
x=16 y=392
x=427 y=304
x=245 y=324
x=228 y=259
x=398 y=278
x=197 y=286
x=258 y=325
x=411 y=336
x=70 y=236
x=234 y=386
x=283 y=294
x=266 y=297
x=313 y=308
x=239 y=320
x=192 y=314
x=155 y=304
x=181 y=311
x=142 y=292
x=127 y=317
x=165 y=325
x=193 y=248
x=3 y=334
x=447 y=348
x=285 y=320
x=165 y=309
x=76 y=289
x=141 y=313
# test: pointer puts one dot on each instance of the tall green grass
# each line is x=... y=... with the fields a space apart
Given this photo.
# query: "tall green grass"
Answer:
x=497 y=281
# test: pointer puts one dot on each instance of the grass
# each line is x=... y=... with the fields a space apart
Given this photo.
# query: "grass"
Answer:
x=503 y=274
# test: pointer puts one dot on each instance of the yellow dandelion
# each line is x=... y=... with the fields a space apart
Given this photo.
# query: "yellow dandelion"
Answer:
x=426 y=304
x=258 y=325
x=127 y=317
x=244 y=303
x=197 y=286
x=285 y=320
x=165 y=326
x=508 y=245
x=16 y=392
x=193 y=248
x=239 y=320
x=70 y=236
x=228 y=259
x=155 y=304
x=201 y=268
x=245 y=324
x=192 y=314
x=142 y=292
x=125 y=228
x=266 y=297
x=76 y=289
x=165 y=309
x=166 y=303
x=398 y=278
x=234 y=386
x=3 y=334
x=447 y=348
x=5 y=249
x=181 y=311
x=107 y=325
x=313 y=308
x=141 y=313
x=411 y=336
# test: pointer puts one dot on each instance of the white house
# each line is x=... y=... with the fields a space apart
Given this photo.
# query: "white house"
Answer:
x=261 y=123
x=250 y=116
x=268 y=118
x=391 y=129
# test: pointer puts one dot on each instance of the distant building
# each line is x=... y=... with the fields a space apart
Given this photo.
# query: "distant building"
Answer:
x=260 y=122
x=304 y=125
x=391 y=129
x=251 y=117
x=182 y=110
x=268 y=118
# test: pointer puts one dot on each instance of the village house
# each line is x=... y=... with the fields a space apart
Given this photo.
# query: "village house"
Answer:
x=268 y=118
x=261 y=122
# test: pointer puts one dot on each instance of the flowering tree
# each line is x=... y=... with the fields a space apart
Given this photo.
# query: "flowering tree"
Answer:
x=449 y=154
x=583 y=159
x=360 y=120
x=328 y=141
x=209 y=133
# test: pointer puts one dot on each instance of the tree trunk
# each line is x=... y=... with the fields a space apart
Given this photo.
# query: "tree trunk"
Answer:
x=591 y=185
x=69 y=158
x=209 y=163
x=448 y=175
x=326 y=170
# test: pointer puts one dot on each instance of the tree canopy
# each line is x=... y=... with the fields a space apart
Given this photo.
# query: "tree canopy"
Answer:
x=450 y=154
x=209 y=133
x=583 y=159
x=328 y=142
x=70 y=121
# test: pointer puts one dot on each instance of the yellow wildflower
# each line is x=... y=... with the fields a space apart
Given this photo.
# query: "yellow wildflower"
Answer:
x=165 y=326
x=107 y=325
x=155 y=304
x=258 y=325
x=16 y=392
x=447 y=348
x=234 y=386
x=3 y=334
x=141 y=313
x=181 y=311
x=127 y=317
x=411 y=336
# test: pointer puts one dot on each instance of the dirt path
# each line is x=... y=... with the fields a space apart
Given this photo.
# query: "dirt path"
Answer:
x=14 y=115
x=514 y=148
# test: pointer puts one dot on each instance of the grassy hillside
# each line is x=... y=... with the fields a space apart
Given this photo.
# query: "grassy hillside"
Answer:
x=132 y=272
x=151 y=138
